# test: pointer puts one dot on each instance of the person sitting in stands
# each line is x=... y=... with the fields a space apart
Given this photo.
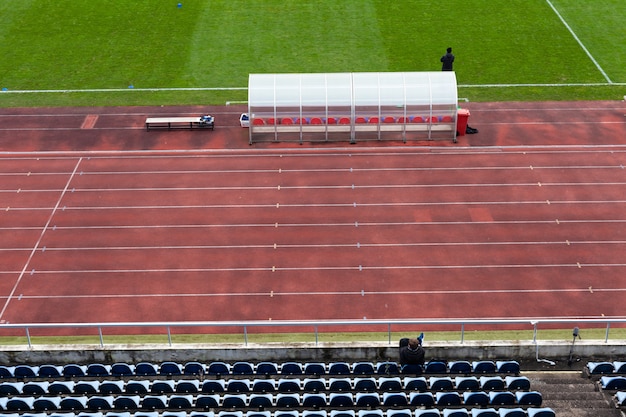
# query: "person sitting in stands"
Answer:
x=412 y=353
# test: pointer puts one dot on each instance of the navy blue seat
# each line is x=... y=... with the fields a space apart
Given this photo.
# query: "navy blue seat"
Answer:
x=98 y=370
x=263 y=385
x=339 y=384
x=613 y=383
x=532 y=398
x=501 y=398
x=365 y=384
x=427 y=413
x=218 y=368
x=314 y=385
x=370 y=413
x=446 y=399
x=387 y=368
x=35 y=388
x=405 y=412
x=100 y=403
x=291 y=368
x=267 y=368
x=395 y=399
x=154 y=402
x=491 y=383
x=122 y=369
x=435 y=367
x=512 y=412
x=389 y=384
x=146 y=369
x=367 y=399
x=411 y=369
x=620 y=398
x=619 y=367
x=287 y=400
x=485 y=412
x=162 y=387
x=140 y=386
x=87 y=387
x=194 y=368
x=483 y=367
x=517 y=383
x=478 y=398
x=178 y=402
x=20 y=404
x=260 y=401
x=363 y=368
x=242 y=368
x=50 y=371
x=455 y=412
x=340 y=399
x=288 y=385
x=541 y=412
x=415 y=384
x=315 y=368
x=600 y=368
x=234 y=401
x=421 y=399
x=460 y=367
x=61 y=387
x=207 y=402
x=8 y=389
x=111 y=387
x=441 y=383
x=466 y=383
x=170 y=369
x=213 y=386
x=188 y=386
x=126 y=402
x=342 y=413
x=238 y=385
x=508 y=367
x=73 y=370
x=74 y=403
x=339 y=368
x=314 y=400
x=7 y=372
x=26 y=371
x=47 y=404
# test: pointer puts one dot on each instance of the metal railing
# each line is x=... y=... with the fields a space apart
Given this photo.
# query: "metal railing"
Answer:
x=244 y=327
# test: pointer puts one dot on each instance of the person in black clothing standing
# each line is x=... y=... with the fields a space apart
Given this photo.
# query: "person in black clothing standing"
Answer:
x=447 y=60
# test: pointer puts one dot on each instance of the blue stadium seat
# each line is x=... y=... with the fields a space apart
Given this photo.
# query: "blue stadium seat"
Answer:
x=7 y=372
x=100 y=402
x=61 y=387
x=291 y=368
x=485 y=412
x=187 y=386
x=10 y=388
x=35 y=388
x=201 y=414
x=98 y=370
x=213 y=386
x=294 y=413
x=168 y=413
x=517 y=383
x=619 y=367
x=370 y=413
x=512 y=412
x=532 y=398
x=146 y=413
x=137 y=386
x=365 y=384
x=26 y=371
x=455 y=412
x=415 y=384
x=146 y=369
x=387 y=368
x=234 y=401
x=541 y=412
x=238 y=385
x=476 y=398
x=460 y=367
x=267 y=368
x=339 y=384
x=389 y=384
x=447 y=399
x=122 y=369
x=170 y=369
x=194 y=368
x=613 y=383
x=288 y=385
x=339 y=368
x=502 y=398
x=287 y=400
x=47 y=404
x=263 y=385
x=50 y=371
x=508 y=367
x=314 y=400
x=162 y=387
x=178 y=402
x=491 y=383
x=466 y=383
x=126 y=402
x=87 y=387
x=74 y=403
x=340 y=399
x=620 y=398
x=313 y=385
x=229 y=414
x=363 y=368
x=342 y=413
x=73 y=370
x=483 y=367
x=367 y=399
x=433 y=412
x=207 y=402
x=154 y=402
x=395 y=399
x=260 y=401
x=422 y=399
x=315 y=368
x=87 y=414
x=258 y=414
x=218 y=368
x=404 y=412
x=435 y=367
x=600 y=368
x=20 y=404
x=109 y=387
x=108 y=414
x=441 y=383
x=242 y=368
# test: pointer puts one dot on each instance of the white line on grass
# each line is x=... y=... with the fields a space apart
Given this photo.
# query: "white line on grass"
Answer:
x=580 y=42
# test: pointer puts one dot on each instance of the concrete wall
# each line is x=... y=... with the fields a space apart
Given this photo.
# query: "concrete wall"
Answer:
x=525 y=352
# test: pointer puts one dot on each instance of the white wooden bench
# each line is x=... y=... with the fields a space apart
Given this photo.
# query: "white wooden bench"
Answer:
x=170 y=123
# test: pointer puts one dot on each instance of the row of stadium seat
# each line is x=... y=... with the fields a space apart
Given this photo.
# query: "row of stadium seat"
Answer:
x=453 y=412
x=264 y=401
x=268 y=385
x=257 y=121
x=250 y=368
x=605 y=368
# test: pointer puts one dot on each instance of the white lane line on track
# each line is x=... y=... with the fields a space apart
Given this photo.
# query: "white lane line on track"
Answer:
x=36 y=247
x=326 y=293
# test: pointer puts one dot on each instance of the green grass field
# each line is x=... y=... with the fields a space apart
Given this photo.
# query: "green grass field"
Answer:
x=153 y=44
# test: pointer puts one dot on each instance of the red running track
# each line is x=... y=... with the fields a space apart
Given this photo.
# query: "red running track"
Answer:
x=101 y=221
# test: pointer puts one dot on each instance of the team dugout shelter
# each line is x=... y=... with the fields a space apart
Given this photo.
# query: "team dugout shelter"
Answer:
x=354 y=107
